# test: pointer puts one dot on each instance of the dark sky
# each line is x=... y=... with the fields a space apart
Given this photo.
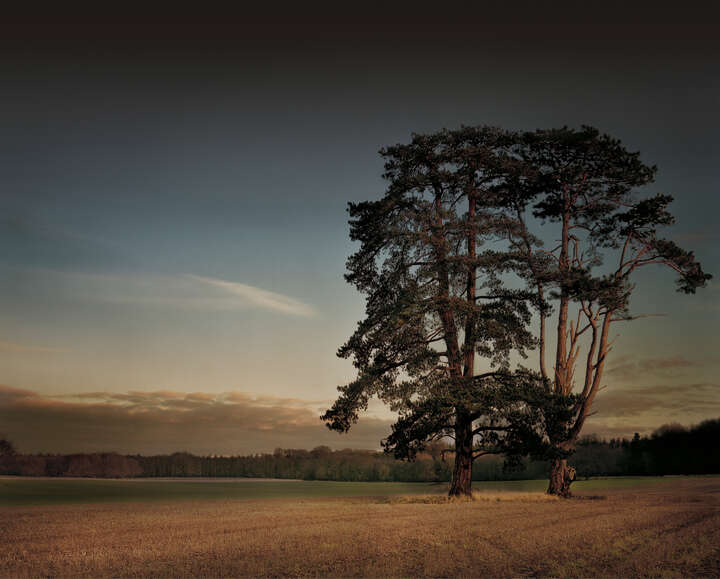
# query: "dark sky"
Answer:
x=173 y=192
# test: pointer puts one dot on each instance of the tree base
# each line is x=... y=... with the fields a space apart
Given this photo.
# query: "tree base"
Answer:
x=460 y=492
x=462 y=482
x=561 y=477
x=462 y=470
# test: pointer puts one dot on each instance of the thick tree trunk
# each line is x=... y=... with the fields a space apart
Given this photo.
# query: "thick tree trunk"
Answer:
x=462 y=471
x=561 y=477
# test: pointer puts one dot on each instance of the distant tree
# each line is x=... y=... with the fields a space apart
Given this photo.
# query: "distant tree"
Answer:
x=7 y=448
x=8 y=457
x=105 y=465
x=595 y=457
x=320 y=451
x=435 y=301
x=581 y=186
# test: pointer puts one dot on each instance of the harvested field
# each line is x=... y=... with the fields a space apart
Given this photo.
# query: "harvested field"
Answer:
x=668 y=529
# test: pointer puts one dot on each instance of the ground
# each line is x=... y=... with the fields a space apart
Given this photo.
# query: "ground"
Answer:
x=622 y=527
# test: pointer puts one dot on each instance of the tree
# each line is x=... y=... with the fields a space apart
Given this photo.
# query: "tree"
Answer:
x=583 y=183
x=435 y=301
x=7 y=448
x=438 y=292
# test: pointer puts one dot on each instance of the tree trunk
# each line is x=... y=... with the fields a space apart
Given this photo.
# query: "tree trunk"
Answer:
x=561 y=477
x=462 y=471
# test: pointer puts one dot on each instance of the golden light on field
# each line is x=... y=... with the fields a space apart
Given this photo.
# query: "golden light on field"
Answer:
x=668 y=529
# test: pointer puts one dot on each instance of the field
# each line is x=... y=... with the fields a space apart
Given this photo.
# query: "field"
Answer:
x=615 y=527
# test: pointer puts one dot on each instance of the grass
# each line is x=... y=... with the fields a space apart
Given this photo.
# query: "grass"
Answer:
x=644 y=527
x=34 y=491
x=29 y=491
x=486 y=496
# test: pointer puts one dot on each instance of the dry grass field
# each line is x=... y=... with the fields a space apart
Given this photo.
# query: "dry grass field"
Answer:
x=660 y=530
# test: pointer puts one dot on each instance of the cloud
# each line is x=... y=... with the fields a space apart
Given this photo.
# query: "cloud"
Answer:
x=30 y=241
x=21 y=348
x=629 y=368
x=259 y=297
x=187 y=292
x=166 y=421
x=9 y=395
x=697 y=237
x=699 y=398
x=236 y=422
x=623 y=412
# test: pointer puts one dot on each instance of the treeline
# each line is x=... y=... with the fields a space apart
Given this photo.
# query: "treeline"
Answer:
x=105 y=465
x=320 y=463
x=671 y=450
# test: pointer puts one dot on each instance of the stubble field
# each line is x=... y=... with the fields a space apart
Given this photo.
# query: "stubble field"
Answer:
x=631 y=527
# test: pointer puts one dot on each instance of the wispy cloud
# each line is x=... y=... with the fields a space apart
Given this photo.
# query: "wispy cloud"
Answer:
x=621 y=412
x=36 y=243
x=629 y=368
x=698 y=237
x=667 y=400
x=259 y=297
x=189 y=292
x=165 y=421
x=21 y=348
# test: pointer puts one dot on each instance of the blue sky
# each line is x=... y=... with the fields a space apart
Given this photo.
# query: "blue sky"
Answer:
x=174 y=220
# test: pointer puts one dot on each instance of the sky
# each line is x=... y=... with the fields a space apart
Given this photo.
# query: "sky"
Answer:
x=173 y=198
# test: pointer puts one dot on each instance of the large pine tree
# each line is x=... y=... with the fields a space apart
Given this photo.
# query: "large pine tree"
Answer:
x=431 y=270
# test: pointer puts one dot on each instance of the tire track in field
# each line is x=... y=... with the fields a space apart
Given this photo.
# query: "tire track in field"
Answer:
x=695 y=538
x=637 y=550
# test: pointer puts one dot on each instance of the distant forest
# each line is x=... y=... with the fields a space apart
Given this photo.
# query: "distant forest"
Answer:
x=670 y=450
